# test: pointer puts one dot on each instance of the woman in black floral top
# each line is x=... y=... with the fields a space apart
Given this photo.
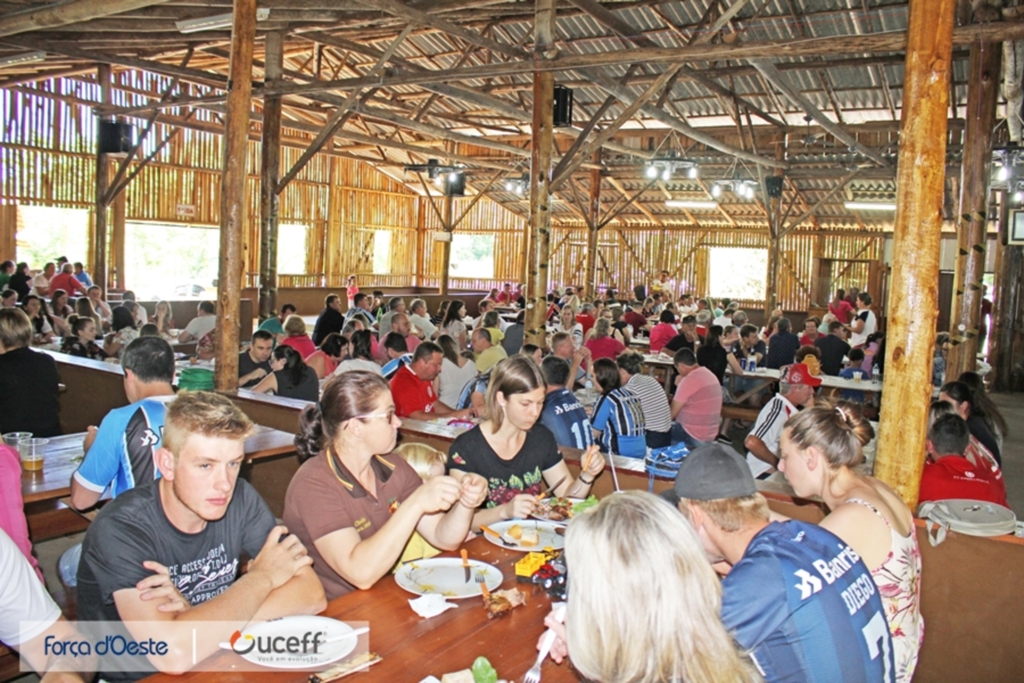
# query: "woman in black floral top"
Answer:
x=514 y=452
x=82 y=340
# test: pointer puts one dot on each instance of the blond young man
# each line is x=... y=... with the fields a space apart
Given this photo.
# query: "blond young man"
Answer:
x=163 y=557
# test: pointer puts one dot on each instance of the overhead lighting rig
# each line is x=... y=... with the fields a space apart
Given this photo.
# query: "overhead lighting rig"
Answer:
x=665 y=168
x=744 y=189
x=451 y=178
x=1007 y=167
x=23 y=58
x=518 y=185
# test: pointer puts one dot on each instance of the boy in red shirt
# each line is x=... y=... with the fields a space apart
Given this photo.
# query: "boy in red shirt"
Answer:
x=949 y=474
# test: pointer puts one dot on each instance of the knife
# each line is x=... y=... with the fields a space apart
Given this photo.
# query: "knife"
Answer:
x=465 y=564
x=543 y=494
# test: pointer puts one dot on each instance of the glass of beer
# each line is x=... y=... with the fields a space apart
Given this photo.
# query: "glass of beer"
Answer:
x=32 y=451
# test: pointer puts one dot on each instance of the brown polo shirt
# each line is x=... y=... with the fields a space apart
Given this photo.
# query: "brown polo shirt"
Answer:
x=324 y=497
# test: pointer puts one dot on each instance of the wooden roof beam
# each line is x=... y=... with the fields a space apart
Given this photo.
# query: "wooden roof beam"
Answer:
x=62 y=14
x=772 y=75
x=893 y=41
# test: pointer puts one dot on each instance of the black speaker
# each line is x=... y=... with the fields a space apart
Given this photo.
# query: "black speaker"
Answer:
x=773 y=185
x=563 y=106
x=455 y=185
x=114 y=137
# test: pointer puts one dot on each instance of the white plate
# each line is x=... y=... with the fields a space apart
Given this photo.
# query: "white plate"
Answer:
x=548 y=532
x=446 y=576
x=254 y=639
x=538 y=514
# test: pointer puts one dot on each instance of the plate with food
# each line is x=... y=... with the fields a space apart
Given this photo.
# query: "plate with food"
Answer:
x=561 y=510
x=447 y=576
x=526 y=535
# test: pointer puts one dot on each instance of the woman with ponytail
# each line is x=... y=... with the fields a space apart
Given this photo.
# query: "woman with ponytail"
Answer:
x=822 y=448
x=353 y=503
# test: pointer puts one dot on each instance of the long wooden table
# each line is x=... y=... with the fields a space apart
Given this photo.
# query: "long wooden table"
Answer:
x=413 y=648
x=64 y=454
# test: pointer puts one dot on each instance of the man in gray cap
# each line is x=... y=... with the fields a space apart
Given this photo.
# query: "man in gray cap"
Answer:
x=796 y=597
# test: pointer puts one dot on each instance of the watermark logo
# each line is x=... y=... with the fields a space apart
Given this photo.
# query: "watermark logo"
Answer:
x=309 y=643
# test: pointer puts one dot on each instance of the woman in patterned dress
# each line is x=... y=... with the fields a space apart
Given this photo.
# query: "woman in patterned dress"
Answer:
x=821 y=449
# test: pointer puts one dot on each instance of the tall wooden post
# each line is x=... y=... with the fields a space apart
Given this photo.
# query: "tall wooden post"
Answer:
x=593 y=218
x=117 y=240
x=446 y=245
x=99 y=243
x=913 y=302
x=233 y=204
x=1006 y=338
x=982 y=91
x=540 y=174
x=270 y=172
x=771 y=296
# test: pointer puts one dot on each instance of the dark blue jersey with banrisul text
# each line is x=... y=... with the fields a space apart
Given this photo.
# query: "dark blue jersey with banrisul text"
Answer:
x=565 y=416
x=805 y=606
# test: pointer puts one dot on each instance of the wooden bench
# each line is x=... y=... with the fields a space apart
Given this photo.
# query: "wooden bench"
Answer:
x=734 y=412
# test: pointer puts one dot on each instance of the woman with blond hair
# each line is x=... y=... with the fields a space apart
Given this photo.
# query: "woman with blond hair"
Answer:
x=567 y=323
x=162 y=318
x=601 y=343
x=617 y=627
x=822 y=447
x=296 y=337
x=513 y=451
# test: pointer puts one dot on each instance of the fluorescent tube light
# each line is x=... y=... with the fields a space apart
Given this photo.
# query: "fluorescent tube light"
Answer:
x=216 y=21
x=871 y=206
x=688 y=204
x=23 y=58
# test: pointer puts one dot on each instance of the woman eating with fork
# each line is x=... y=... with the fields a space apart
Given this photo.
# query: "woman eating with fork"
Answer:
x=513 y=452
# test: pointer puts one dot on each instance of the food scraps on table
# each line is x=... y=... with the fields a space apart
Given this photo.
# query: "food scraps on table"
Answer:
x=500 y=603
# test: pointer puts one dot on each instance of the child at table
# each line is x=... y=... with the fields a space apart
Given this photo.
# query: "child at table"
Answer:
x=428 y=463
x=854 y=366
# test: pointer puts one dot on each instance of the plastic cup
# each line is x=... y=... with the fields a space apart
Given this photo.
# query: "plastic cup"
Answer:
x=12 y=438
x=857 y=375
x=32 y=451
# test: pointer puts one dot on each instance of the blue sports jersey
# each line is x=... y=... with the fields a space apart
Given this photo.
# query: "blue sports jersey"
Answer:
x=121 y=457
x=804 y=605
x=565 y=416
x=477 y=384
x=392 y=366
x=619 y=416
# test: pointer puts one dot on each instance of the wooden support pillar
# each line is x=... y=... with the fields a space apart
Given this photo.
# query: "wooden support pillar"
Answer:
x=1006 y=338
x=270 y=171
x=593 y=220
x=771 y=295
x=446 y=245
x=968 y=289
x=117 y=242
x=542 y=140
x=9 y=230
x=913 y=302
x=233 y=203
x=99 y=242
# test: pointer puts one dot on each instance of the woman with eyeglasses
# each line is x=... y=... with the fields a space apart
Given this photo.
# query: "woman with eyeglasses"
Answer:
x=353 y=503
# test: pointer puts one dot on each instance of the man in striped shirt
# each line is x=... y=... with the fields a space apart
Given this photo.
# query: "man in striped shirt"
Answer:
x=658 y=431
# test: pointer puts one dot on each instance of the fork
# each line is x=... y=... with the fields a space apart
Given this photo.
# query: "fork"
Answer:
x=533 y=675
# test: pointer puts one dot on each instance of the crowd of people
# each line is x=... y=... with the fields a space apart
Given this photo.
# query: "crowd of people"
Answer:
x=170 y=463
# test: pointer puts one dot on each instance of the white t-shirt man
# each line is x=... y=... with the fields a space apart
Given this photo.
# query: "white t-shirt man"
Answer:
x=200 y=325
x=23 y=598
x=424 y=325
x=768 y=428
